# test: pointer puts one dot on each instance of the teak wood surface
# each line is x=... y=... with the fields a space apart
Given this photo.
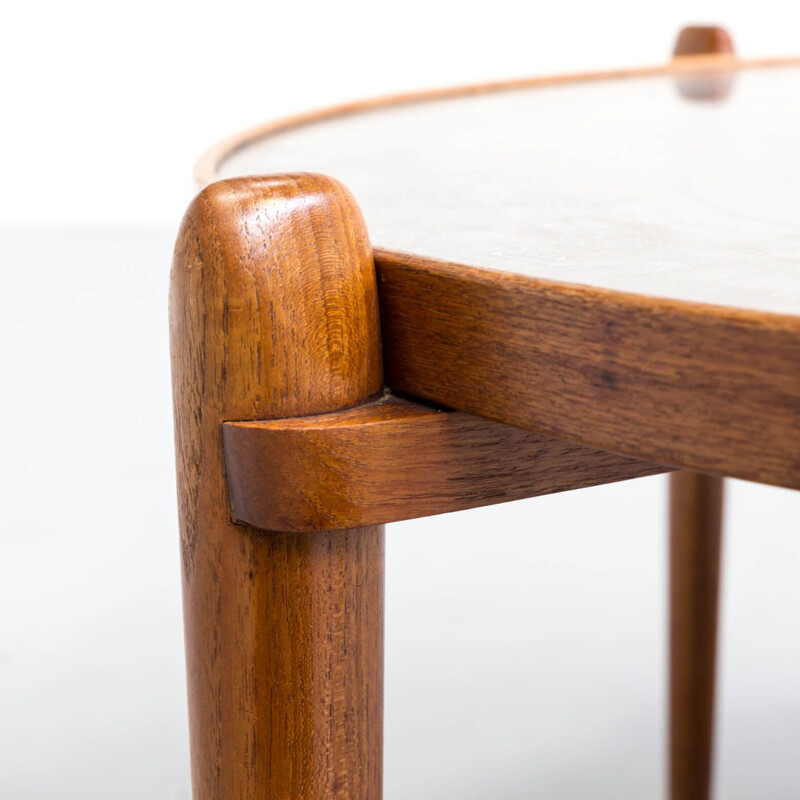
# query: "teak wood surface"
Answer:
x=705 y=388
x=274 y=313
x=395 y=459
x=276 y=352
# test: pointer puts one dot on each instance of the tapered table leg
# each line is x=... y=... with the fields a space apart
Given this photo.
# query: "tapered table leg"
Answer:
x=695 y=537
x=274 y=313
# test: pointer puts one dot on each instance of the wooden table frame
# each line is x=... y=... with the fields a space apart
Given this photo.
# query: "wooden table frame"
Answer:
x=316 y=382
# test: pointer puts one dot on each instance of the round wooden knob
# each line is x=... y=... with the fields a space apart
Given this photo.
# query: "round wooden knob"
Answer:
x=708 y=83
x=702 y=40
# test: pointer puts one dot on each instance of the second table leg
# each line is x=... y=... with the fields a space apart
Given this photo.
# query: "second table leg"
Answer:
x=695 y=539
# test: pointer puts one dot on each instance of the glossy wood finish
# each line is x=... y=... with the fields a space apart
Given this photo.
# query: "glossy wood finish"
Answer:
x=709 y=389
x=644 y=302
x=274 y=313
x=695 y=537
x=395 y=459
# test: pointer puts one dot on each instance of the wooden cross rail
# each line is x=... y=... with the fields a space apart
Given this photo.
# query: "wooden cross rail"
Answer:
x=395 y=459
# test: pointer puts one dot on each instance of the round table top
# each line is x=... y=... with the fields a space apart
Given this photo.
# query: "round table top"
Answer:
x=618 y=181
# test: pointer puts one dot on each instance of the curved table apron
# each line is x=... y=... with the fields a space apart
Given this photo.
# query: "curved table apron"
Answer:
x=596 y=257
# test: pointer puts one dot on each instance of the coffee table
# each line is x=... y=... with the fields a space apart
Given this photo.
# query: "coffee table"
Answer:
x=581 y=279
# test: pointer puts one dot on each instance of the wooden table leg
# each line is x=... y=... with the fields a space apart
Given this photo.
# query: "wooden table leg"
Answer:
x=274 y=313
x=695 y=537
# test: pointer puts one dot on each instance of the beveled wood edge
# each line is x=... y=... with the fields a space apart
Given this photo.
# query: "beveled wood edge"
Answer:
x=694 y=386
x=394 y=459
x=492 y=276
x=207 y=167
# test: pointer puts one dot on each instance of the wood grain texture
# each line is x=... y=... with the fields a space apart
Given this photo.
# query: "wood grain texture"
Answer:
x=700 y=387
x=395 y=459
x=273 y=313
x=695 y=542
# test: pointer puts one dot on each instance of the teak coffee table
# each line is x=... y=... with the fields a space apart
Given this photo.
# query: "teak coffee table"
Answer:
x=606 y=284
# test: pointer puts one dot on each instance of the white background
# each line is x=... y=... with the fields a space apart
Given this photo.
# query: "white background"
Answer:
x=526 y=643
